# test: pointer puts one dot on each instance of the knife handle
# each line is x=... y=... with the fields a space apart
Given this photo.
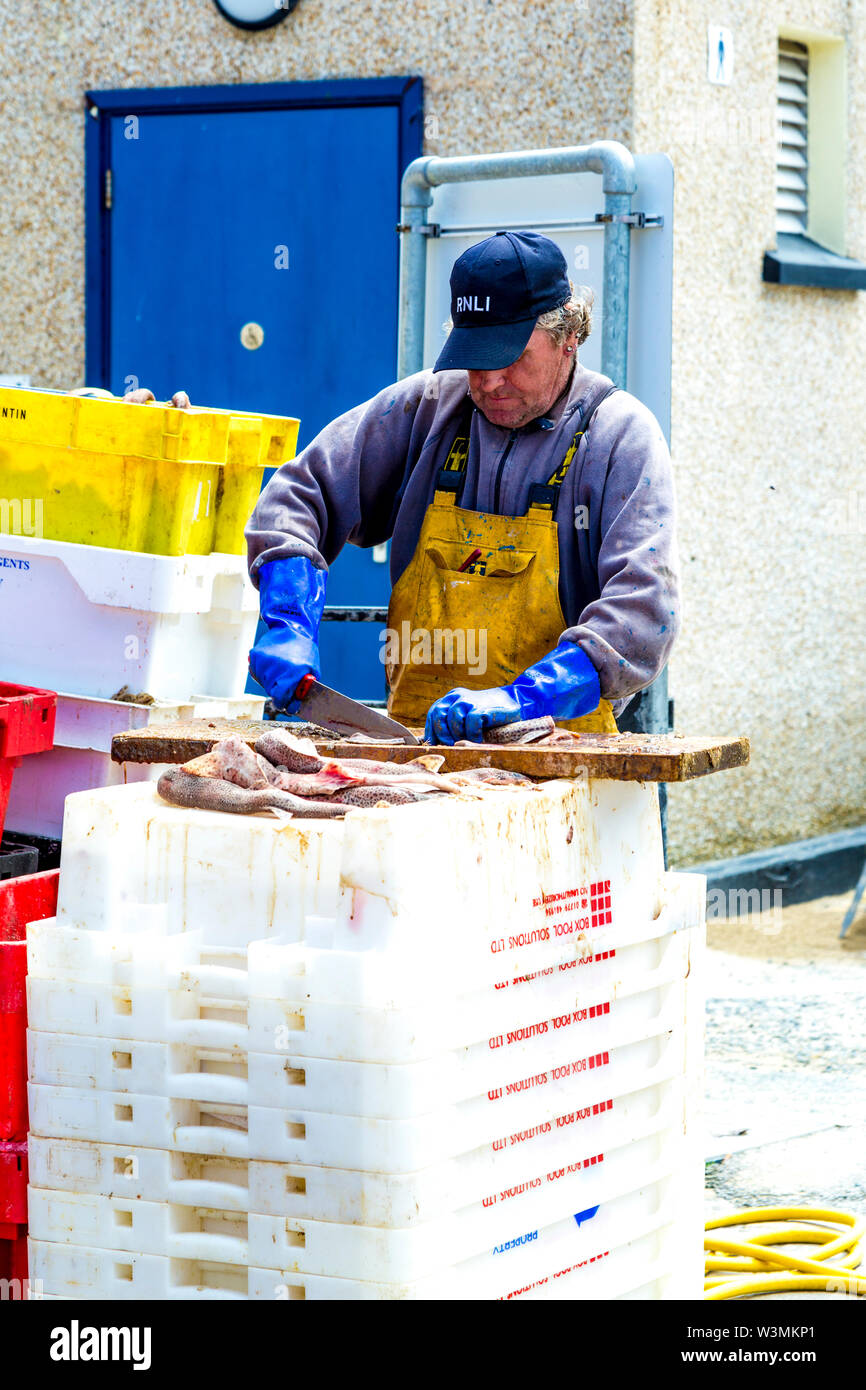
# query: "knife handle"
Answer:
x=304 y=685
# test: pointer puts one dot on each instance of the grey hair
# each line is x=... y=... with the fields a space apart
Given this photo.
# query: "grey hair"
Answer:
x=574 y=316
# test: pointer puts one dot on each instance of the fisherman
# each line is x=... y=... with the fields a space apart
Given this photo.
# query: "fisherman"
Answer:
x=530 y=509
x=525 y=498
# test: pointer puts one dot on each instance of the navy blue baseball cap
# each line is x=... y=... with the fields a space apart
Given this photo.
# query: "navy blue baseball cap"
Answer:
x=499 y=287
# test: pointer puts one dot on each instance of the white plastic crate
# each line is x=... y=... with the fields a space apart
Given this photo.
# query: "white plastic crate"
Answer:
x=332 y=1031
x=612 y=1274
x=503 y=1063
x=81 y=757
x=562 y=1285
x=91 y=620
x=295 y=1135
x=591 y=1007
x=619 y=1268
x=375 y=876
x=143 y=954
x=616 y=1197
x=509 y=1171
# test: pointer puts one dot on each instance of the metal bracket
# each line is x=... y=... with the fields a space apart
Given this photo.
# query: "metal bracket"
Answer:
x=423 y=228
x=632 y=219
x=338 y=613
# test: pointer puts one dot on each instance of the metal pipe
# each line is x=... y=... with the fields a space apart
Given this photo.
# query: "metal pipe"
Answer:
x=586 y=224
x=650 y=713
x=606 y=157
x=415 y=199
x=614 y=308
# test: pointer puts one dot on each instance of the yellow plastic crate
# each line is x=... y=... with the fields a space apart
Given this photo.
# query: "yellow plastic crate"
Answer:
x=267 y=440
x=113 y=474
x=112 y=427
x=255 y=442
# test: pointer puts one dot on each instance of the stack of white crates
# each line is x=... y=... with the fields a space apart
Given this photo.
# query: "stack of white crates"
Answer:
x=444 y=1051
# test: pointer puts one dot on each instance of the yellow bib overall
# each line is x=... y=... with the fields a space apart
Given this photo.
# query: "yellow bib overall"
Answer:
x=479 y=600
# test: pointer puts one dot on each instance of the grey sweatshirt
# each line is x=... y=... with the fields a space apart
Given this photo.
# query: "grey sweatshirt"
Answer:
x=369 y=476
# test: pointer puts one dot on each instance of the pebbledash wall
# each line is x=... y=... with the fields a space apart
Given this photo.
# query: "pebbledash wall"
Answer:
x=766 y=422
x=767 y=436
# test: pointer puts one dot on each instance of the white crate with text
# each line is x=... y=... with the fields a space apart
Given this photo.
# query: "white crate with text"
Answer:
x=467 y=1041
x=583 y=1216
x=229 y=1127
x=639 y=1241
x=91 y=620
x=238 y=879
x=507 y=1170
x=145 y=954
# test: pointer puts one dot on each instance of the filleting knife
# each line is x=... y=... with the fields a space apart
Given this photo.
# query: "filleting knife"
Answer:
x=322 y=705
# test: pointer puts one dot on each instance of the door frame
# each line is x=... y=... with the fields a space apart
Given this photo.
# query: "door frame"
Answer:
x=406 y=93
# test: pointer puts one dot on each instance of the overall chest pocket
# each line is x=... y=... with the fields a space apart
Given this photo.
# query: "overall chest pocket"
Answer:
x=484 y=605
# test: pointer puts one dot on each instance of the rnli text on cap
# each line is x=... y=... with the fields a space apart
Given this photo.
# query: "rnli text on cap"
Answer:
x=467 y=303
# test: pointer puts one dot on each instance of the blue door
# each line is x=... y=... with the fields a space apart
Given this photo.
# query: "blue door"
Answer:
x=247 y=254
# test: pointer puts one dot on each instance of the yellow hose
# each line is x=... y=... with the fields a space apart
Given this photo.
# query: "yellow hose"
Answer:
x=762 y=1270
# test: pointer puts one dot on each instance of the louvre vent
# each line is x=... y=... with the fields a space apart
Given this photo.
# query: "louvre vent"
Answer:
x=792 y=138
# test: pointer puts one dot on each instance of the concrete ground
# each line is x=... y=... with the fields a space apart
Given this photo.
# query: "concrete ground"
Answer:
x=786 y=1061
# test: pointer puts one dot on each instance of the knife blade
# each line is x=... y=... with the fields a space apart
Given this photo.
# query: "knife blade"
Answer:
x=322 y=705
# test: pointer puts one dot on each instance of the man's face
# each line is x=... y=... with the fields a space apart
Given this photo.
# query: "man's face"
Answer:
x=512 y=396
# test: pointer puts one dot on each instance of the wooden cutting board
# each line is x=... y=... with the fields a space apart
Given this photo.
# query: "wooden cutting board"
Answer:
x=618 y=757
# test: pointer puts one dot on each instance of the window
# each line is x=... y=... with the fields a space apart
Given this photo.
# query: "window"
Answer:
x=810 y=165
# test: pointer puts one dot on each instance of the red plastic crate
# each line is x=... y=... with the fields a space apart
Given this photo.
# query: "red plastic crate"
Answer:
x=13 y=1259
x=13 y=1183
x=27 y=718
x=27 y=899
x=13 y=1039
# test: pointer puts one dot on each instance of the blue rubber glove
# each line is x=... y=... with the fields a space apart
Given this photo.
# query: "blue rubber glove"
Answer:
x=291 y=599
x=563 y=684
